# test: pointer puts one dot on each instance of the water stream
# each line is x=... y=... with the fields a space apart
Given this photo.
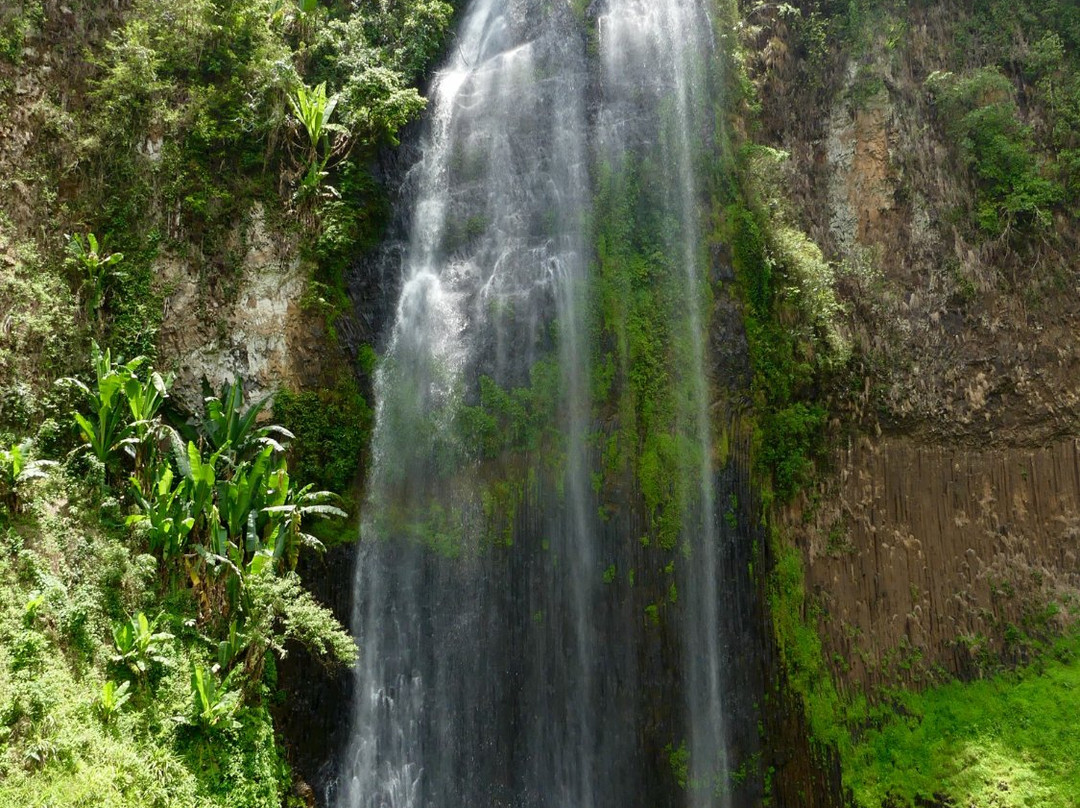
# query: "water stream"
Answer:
x=502 y=663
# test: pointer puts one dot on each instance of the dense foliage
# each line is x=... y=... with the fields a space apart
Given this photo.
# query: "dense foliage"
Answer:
x=212 y=533
x=796 y=347
x=1007 y=741
x=147 y=552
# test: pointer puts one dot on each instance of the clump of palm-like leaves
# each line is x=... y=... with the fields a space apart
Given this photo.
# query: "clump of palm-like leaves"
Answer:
x=139 y=645
x=112 y=699
x=96 y=268
x=219 y=511
x=321 y=142
x=123 y=409
x=19 y=468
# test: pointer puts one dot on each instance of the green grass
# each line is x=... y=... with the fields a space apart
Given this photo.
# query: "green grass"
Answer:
x=1008 y=742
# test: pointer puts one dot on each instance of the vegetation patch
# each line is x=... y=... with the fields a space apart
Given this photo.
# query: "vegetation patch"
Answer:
x=791 y=321
x=145 y=586
x=1007 y=741
x=643 y=365
x=1016 y=186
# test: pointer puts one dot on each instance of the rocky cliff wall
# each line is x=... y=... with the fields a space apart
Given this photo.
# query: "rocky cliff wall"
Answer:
x=929 y=560
x=942 y=535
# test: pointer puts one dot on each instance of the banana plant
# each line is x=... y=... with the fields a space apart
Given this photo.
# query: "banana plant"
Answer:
x=17 y=469
x=144 y=399
x=242 y=497
x=231 y=647
x=215 y=706
x=96 y=268
x=138 y=645
x=289 y=517
x=313 y=108
x=113 y=698
x=201 y=476
x=165 y=510
x=108 y=430
x=231 y=428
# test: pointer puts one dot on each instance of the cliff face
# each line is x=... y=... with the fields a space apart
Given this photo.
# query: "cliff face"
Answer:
x=928 y=558
x=943 y=535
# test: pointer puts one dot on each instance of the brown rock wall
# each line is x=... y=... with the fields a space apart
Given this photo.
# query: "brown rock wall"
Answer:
x=926 y=558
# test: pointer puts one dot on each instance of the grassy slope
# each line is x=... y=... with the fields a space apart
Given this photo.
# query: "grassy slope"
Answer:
x=65 y=579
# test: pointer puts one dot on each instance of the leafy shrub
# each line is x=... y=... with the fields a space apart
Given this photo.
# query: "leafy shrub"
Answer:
x=981 y=114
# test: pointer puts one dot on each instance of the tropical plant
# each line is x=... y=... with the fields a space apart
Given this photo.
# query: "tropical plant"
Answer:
x=290 y=536
x=215 y=706
x=33 y=608
x=138 y=645
x=165 y=511
x=17 y=469
x=144 y=399
x=280 y=610
x=95 y=267
x=231 y=647
x=300 y=16
x=229 y=426
x=113 y=697
x=313 y=109
x=201 y=476
x=108 y=430
x=242 y=496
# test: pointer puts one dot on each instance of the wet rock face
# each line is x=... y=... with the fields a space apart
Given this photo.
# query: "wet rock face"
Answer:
x=309 y=719
x=947 y=528
x=974 y=339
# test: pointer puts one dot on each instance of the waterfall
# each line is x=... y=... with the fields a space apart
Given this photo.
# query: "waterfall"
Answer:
x=508 y=596
x=655 y=56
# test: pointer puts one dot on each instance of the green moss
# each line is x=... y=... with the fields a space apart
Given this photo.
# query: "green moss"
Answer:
x=523 y=419
x=808 y=675
x=679 y=759
x=642 y=368
x=794 y=346
x=1009 y=741
x=332 y=428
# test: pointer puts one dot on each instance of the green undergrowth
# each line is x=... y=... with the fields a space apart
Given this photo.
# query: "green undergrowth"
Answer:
x=332 y=429
x=147 y=588
x=1010 y=741
x=1016 y=186
x=791 y=318
x=795 y=627
x=68 y=575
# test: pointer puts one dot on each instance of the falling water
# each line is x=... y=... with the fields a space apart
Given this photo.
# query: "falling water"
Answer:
x=656 y=105
x=501 y=665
